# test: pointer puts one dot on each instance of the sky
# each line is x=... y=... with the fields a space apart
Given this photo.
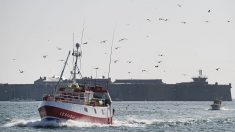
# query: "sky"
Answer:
x=189 y=34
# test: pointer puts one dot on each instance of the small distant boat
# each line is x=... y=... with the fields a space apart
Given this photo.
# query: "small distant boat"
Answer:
x=216 y=105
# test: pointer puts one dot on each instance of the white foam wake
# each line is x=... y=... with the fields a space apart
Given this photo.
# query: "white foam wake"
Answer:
x=50 y=124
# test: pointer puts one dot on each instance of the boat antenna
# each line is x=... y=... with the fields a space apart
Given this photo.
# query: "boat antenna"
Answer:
x=62 y=72
x=111 y=52
x=76 y=54
x=73 y=57
x=81 y=44
x=110 y=60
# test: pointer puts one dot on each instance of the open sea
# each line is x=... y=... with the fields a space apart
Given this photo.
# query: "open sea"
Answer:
x=129 y=116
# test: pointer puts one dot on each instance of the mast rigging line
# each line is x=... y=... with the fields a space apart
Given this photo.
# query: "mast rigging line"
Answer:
x=62 y=72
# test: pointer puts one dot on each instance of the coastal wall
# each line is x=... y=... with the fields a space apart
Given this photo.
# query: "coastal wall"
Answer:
x=170 y=92
x=18 y=92
x=129 y=92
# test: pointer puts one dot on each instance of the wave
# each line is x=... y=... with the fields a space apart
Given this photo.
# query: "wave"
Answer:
x=132 y=122
x=223 y=108
x=38 y=123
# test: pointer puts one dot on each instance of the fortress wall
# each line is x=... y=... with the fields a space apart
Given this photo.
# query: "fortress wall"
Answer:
x=22 y=92
x=203 y=92
x=129 y=92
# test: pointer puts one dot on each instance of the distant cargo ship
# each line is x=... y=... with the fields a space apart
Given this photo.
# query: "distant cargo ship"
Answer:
x=128 y=89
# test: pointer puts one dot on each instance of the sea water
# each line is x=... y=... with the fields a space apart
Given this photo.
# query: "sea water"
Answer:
x=129 y=116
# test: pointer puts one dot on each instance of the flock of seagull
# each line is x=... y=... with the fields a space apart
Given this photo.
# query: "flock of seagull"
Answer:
x=125 y=39
x=115 y=61
x=183 y=22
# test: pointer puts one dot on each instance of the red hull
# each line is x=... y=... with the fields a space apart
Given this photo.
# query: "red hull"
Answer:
x=54 y=112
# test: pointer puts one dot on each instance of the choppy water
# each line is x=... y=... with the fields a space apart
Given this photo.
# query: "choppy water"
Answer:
x=129 y=116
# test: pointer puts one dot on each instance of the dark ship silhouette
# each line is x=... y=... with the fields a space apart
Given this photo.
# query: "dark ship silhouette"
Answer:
x=128 y=89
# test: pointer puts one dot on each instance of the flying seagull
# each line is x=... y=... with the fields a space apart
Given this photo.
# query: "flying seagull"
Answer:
x=156 y=66
x=85 y=43
x=115 y=61
x=179 y=5
x=58 y=48
x=209 y=11
x=103 y=41
x=148 y=20
x=144 y=71
x=96 y=68
x=21 y=71
x=60 y=60
x=160 y=55
x=183 y=22
x=117 y=48
x=45 y=56
x=185 y=74
x=217 y=69
x=122 y=39
x=162 y=19
x=159 y=61
x=129 y=61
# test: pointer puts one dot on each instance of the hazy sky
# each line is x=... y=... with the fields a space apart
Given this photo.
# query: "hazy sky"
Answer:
x=30 y=29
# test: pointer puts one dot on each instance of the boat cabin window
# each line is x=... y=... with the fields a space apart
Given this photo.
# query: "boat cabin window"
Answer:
x=85 y=109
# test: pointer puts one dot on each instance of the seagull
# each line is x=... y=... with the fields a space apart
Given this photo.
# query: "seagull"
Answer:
x=122 y=39
x=185 y=74
x=103 y=41
x=156 y=66
x=129 y=61
x=183 y=22
x=160 y=55
x=217 y=69
x=179 y=5
x=228 y=21
x=115 y=61
x=21 y=71
x=209 y=11
x=85 y=43
x=207 y=21
x=148 y=20
x=13 y=59
x=45 y=56
x=117 y=48
x=60 y=60
x=144 y=71
x=58 y=48
x=96 y=68
x=159 y=61
x=162 y=19
x=129 y=72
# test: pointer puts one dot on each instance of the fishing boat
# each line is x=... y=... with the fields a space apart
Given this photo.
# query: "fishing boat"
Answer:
x=80 y=102
x=216 y=105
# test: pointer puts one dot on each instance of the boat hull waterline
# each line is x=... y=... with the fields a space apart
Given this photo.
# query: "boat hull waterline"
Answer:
x=66 y=111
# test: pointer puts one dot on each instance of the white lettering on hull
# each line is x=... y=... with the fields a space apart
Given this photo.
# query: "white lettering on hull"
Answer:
x=66 y=115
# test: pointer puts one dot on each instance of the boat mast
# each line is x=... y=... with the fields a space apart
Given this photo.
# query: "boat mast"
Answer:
x=76 y=54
